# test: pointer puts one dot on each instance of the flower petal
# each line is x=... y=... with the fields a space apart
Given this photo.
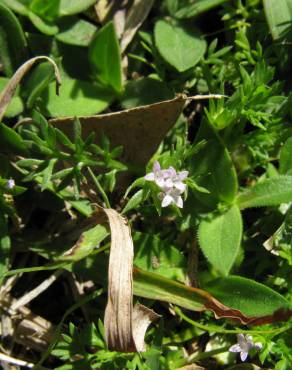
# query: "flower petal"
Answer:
x=241 y=340
x=183 y=175
x=171 y=172
x=179 y=202
x=159 y=181
x=149 y=177
x=180 y=186
x=235 y=348
x=168 y=183
x=156 y=167
x=243 y=355
x=167 y=200
x=258 y=346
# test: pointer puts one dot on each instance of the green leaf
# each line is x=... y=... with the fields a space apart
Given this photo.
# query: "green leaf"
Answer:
x=46 y=27
x=180 y=45
x=269 y=192
x=4 y=244
x=286 y=157
x=144 y=91
x=134 y=201
x=70 y=7
x=13 y=50
x=105 y=57
x=220 y=238
x=74 y=31
x=46 y=9
x=15 y=107
x=154 y=286
x=11 y=142
x=47 y=174
x=279 y=18
x=16 y=6
x=248 y=296
x=156 y=255
x=37 y=81
x=212 y=169
x=197 y=8
x=88 y=241
x=77 y=98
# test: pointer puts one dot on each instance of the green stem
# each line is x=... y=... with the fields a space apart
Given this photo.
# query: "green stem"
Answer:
x=216 y=329
x=99 y=188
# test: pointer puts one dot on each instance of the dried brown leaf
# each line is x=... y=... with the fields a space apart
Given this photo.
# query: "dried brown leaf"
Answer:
x=191 y=367
x=139 y=130
x=135 y=17
x=8 y=92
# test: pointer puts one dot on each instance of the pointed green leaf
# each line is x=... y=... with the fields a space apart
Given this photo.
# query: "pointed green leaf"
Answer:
x=246 y=295
x=220 y=238
x=269 y=192
x=87 y=242
x=105 y=57
x=11 y=142
x=134 y=201
x=180 y=45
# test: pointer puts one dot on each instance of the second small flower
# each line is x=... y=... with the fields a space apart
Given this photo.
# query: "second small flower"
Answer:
x=170 y=182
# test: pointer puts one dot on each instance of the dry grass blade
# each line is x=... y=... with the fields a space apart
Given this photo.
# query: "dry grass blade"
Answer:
x=8 y=92
x=24 y=300
x=118 y=313
x=124 y=328
x=136 y=16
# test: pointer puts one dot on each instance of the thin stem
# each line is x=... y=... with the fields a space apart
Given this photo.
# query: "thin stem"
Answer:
x=99 y=188
x=216 y=329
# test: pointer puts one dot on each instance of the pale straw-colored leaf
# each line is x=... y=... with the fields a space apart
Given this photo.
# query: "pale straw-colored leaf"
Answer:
x=8 y=93
x=124 y=327
x=135 y=17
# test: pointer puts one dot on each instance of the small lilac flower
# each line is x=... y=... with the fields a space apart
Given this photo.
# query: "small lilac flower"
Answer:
x=158 y=175
x=10 y=184
x=171 y=196
x=170 y=182
x=175 y=179
x=244 y=345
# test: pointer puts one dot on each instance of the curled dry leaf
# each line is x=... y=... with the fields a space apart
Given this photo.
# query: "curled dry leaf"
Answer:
x=135 y=17
x=8 y=92
x=139 y=130
x=124 y=327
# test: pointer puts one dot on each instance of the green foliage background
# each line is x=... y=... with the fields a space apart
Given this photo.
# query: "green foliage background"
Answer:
x=233 y=236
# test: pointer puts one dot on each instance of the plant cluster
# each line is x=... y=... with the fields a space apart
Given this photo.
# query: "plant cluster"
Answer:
x=177 y=115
